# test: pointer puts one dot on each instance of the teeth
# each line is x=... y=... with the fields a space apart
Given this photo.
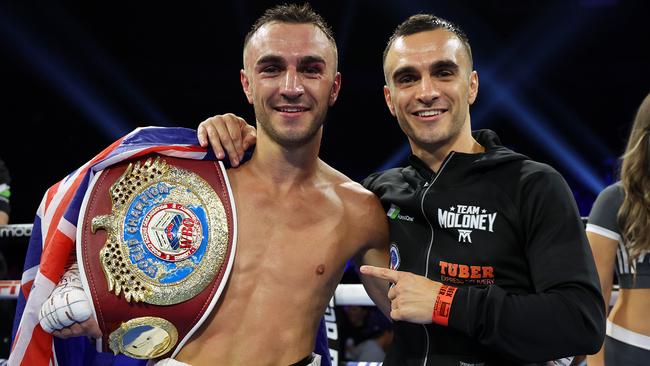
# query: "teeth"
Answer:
x=429 y=113
x=291 y=110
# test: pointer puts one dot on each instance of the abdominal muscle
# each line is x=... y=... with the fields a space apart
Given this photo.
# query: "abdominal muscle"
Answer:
x=268 y=313
x=631 y=310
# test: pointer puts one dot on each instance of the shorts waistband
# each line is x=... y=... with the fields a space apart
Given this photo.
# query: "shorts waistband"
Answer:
x=311 y=360
x=627 y=336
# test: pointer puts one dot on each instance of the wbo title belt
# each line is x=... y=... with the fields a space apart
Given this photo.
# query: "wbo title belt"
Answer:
x=155 y=251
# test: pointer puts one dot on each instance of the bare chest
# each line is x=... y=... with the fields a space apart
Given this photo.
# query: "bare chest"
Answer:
x=291 y=231
x=299 y=239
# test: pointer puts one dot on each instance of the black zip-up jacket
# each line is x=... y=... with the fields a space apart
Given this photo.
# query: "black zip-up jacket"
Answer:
x=506 y=231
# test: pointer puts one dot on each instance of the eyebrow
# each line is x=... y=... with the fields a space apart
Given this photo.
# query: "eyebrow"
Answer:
x=404 y=70
x=441 y=64
x=311 y=59
x=275 y=59
x=270 y=59
x=444 y=64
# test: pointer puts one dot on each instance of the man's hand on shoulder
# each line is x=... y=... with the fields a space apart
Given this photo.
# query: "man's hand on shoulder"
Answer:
x=227 y=134
x=412 y=297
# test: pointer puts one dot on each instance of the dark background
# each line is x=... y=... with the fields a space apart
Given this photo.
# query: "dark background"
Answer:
x=560 y=81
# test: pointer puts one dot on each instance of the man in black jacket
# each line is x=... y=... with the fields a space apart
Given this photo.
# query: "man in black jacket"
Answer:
x=493 y=266
x=493 y=259
x=492 y=253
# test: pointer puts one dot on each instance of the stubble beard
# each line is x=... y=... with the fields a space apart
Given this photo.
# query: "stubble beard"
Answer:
x=429 y=140
x=291 y=139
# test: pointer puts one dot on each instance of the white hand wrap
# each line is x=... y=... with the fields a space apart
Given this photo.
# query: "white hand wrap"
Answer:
x=67 y=304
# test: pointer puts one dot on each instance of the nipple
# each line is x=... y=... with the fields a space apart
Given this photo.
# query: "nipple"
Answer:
x=320 y=269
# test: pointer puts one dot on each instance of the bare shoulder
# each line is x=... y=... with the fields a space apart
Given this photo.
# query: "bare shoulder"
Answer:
x=362 y=208
x=353 y=194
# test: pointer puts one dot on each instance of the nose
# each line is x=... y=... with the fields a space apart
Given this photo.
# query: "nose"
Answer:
x=427 y=91
x=292 y=86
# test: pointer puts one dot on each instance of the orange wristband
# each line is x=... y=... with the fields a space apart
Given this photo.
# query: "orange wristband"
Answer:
x=442 y=307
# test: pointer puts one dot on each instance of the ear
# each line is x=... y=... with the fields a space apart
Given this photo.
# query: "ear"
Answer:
x=473 y=87
x=245 y=83
x=336 y=88
x=389 y=100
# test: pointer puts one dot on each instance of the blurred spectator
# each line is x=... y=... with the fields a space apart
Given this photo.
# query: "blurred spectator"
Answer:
x=6 y=306
x=4 y=210
x=380 y=337
x=353 y=327
x=4 y=194
x=364 y=332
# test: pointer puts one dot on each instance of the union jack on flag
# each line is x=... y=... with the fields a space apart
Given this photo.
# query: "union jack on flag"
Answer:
x=53 y=241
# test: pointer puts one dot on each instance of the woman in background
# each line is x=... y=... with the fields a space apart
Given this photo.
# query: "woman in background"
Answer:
x=619 y=234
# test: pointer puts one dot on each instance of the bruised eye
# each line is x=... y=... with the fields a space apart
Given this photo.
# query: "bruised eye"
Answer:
x=270 y=69
x=312 y=70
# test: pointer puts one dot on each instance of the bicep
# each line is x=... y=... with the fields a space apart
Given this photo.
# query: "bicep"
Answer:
x=376 y=288
x=376 y=225
x=375 y=257
x=375 y=252
x=370 y=228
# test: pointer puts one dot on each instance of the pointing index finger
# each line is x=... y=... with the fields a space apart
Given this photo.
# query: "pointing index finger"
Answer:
x=383 y=273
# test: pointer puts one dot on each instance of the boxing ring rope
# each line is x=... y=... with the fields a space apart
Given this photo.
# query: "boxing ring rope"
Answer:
x=9 y=289
x=345 y=294
x=15 y=231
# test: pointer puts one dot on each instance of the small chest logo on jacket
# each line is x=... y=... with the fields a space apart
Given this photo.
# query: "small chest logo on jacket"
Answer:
x=465 y=219
x=394 y=213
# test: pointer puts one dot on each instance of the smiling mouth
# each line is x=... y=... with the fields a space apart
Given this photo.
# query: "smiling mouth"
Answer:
x=296 y=109
x=429 y=113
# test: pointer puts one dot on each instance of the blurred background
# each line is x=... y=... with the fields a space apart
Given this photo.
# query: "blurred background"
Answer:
x=559 y=80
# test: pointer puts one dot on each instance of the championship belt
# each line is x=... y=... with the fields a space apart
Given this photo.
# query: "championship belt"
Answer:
x=155 y=249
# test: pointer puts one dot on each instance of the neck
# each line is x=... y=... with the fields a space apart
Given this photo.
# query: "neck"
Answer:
x=285 y=165
x=433 y=155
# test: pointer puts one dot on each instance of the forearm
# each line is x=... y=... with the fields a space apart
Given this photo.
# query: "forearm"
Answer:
x=555 y=309
x=377 y=289
x=560 y=322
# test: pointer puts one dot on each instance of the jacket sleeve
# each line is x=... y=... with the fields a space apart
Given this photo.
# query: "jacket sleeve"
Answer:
x=565 y=314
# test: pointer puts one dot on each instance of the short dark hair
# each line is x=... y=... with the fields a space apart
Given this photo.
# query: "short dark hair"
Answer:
x=423 y=23
x=292 y=14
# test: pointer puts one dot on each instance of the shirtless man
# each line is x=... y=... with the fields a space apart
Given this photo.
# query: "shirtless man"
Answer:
x=299 y=218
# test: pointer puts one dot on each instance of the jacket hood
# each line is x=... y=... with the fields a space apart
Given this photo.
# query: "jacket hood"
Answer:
x=495 y=154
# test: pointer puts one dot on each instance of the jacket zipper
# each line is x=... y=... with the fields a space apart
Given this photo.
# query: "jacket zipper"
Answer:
x=426 y=264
